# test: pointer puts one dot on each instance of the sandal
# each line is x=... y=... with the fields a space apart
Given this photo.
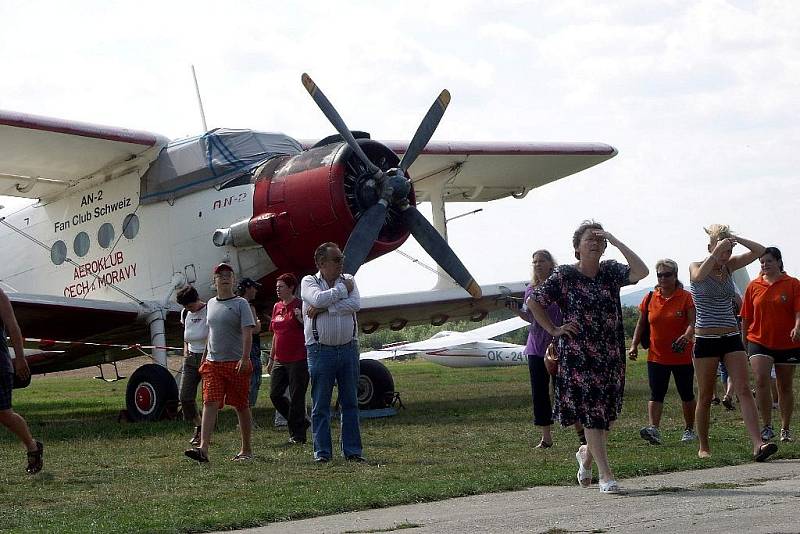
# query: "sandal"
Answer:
x=196 y=438
x=584 y=475
x=242 y=457
x=544 y=444
x=197 y=454
x=610 y=486
x=765 y=451
x=728 y=403
x=35 y=460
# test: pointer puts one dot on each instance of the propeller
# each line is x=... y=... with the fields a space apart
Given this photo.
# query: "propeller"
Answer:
x=425 y=130
x=438 y=249
x=393 y=188
x=333 y=116
x=364 y=236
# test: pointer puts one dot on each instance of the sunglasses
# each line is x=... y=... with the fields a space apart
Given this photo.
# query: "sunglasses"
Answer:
x=665 y=275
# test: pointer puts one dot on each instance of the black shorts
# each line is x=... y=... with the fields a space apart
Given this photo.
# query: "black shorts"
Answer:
x=779 y=357
x=6 y=387
x=718 y=346
x=658 y=376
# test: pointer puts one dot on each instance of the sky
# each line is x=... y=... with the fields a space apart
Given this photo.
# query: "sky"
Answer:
x=697 y=97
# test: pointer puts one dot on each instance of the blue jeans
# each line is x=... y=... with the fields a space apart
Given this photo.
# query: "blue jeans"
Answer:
x=326 y=365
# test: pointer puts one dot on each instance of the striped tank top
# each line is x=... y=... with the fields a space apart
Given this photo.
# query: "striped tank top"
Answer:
x=713 y=301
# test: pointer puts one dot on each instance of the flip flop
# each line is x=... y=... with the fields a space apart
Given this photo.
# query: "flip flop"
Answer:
x=544 y=445
x=197 y=454
x=765 y=451
x=242 y=457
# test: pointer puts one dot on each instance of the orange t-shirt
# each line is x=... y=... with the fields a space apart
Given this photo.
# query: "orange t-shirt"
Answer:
x=770 y=311
x=669 y=318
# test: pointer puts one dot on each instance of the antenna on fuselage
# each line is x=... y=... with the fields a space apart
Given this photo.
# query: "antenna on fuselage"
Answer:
x=199 y=101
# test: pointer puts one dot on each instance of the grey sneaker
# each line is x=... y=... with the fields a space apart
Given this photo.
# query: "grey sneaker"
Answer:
x=688 y=435
x=767 y=433
x=651 y=435
x=786 y=435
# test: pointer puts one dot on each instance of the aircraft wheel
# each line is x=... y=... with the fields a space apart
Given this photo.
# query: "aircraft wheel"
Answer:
x=375 y=385
x=150 y=389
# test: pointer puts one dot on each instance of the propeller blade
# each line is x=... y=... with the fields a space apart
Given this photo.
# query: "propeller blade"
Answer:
x=425 y=130
x=363 y=237
x=438 y=249
x=333 y=116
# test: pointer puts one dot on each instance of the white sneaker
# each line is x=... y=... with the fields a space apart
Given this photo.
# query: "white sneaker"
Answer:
x=688 y=435
x=786 y=435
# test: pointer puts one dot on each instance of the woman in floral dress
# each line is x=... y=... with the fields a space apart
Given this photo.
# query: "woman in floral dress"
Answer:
x=591 y=342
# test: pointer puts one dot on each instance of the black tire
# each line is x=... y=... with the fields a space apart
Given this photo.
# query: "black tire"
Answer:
x=150 y=389
x=375 y=385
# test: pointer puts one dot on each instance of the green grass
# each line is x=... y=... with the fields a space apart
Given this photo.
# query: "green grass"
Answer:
x=464 y=431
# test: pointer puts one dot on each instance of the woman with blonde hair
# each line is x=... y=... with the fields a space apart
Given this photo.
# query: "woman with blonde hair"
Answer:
x=668 y=314
x=717 y=336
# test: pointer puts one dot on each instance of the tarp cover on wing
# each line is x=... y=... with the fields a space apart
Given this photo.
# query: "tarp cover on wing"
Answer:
x=216 y=157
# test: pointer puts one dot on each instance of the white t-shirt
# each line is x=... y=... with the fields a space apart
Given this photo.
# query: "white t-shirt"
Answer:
x=195 y=329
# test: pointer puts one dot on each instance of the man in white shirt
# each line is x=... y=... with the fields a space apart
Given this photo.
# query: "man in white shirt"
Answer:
x=330 y=303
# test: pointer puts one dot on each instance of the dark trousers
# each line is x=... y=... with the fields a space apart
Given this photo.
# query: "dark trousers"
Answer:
x=540 y=391
x=293 y=375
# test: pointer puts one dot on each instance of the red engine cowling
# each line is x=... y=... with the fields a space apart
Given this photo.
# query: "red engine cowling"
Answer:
x=305 y=200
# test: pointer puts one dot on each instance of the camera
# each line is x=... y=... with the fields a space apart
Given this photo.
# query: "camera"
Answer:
x=679 y=345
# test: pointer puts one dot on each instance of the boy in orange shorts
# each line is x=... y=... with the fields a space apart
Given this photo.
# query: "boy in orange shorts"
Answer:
x=226 y=364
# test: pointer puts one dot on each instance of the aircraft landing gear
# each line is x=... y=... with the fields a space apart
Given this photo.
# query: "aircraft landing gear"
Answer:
x=151 y=389
x=375 y=386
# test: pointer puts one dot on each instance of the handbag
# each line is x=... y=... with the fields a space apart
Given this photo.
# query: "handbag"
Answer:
x=644 y=340
x=551 y=359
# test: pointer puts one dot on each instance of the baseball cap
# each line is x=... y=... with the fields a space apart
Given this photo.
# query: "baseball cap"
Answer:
x=247 y=282
x=222 y=267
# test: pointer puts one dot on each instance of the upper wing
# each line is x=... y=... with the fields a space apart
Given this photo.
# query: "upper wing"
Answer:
x=480 y=171
x=433 y=307
x=41 y=157
x=88 y=331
